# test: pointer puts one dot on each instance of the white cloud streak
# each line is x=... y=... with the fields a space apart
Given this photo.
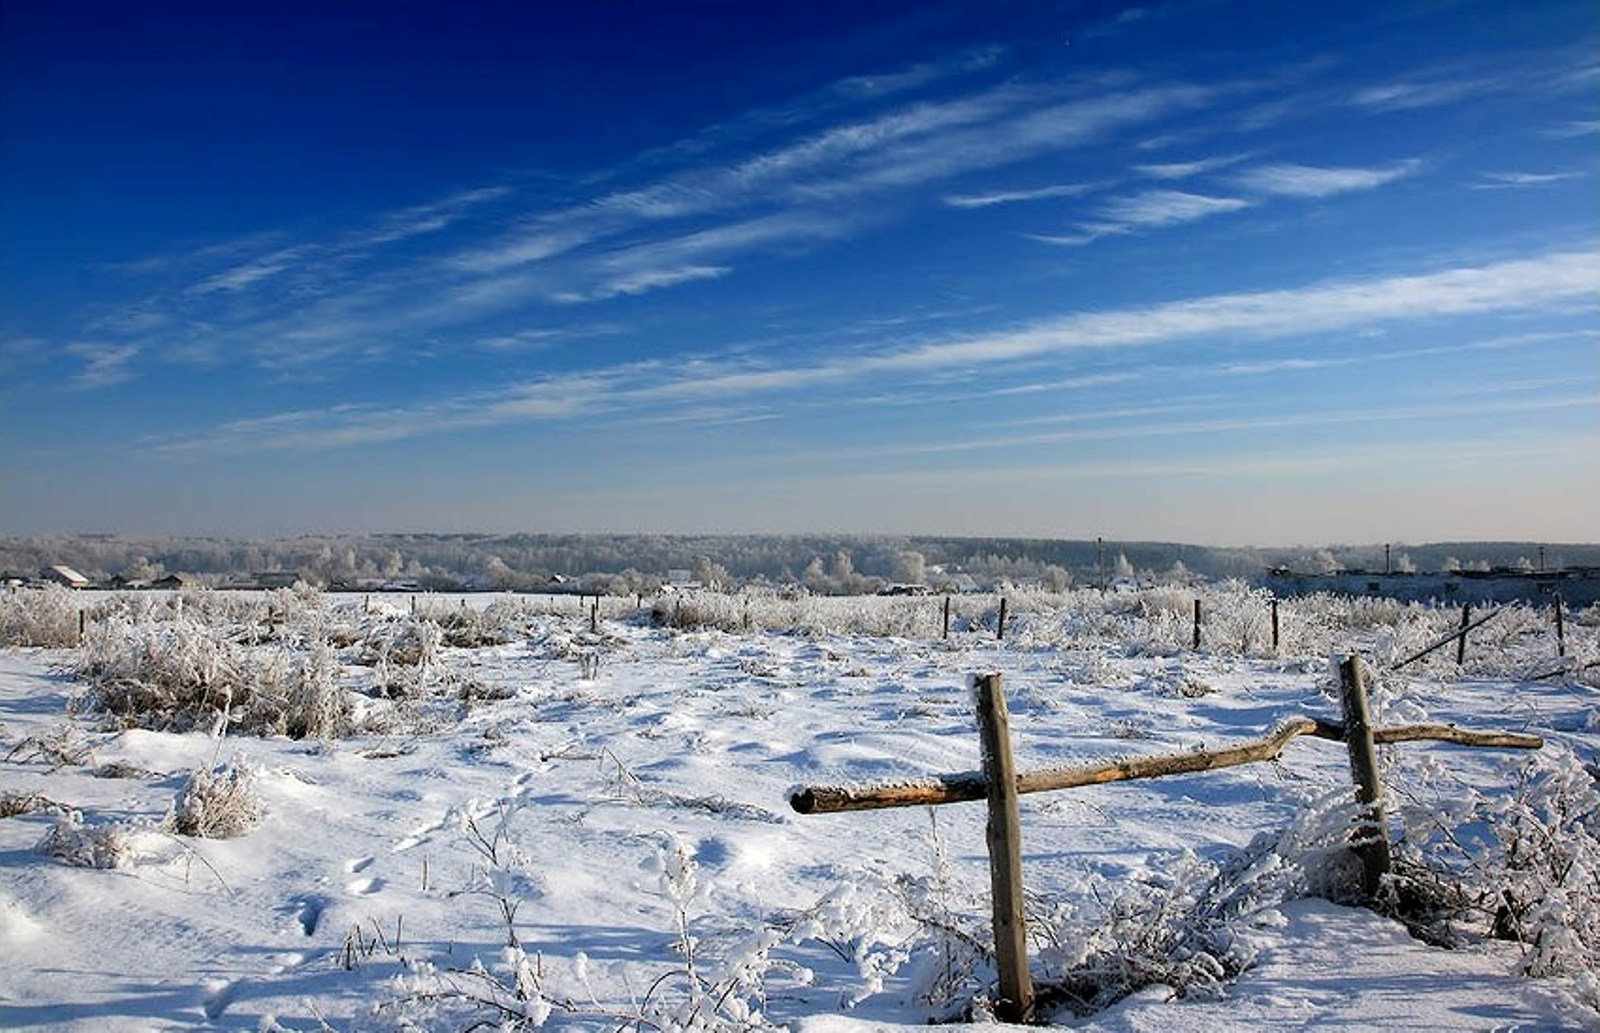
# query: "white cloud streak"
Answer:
x=1152 y=209
x=1415 y=95
x=1514 y=180
x=1017 y=196
x=249 y=273
x=1187 y=169
x=1573 y=130
x=1311 y=181
x=104 y=364
x=1509 y=286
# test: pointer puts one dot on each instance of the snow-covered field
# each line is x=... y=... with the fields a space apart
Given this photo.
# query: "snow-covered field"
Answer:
x=590 y=828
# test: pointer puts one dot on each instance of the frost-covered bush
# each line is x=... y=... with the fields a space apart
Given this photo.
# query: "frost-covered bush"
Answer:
x=73 y=842
x=467 y=628
x=218 y=803
x=45 y=616
x=309 y=702
x=174 y=675
x=1522 y=865
x=1188 y=924
x=182 y=674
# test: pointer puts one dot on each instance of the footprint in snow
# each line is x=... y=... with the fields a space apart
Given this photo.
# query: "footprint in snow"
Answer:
x=713 y=853
x=308 y=912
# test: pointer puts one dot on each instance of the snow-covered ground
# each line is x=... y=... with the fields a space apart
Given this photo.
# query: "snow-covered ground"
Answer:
x=590 y=829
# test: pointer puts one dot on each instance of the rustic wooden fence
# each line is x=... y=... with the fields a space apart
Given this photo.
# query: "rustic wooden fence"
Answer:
x=1000 y=784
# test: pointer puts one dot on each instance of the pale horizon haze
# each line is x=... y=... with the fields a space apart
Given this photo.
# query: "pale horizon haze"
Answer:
x=1228 y=273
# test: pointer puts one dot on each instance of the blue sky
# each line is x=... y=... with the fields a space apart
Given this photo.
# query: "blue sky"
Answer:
x=1226 y=273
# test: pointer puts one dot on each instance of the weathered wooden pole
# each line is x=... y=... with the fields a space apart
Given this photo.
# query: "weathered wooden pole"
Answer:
x=1197 y=624
x=1274 y=624
x=594 y=615
x=1461 y=642
x=1000 y=625
x=1561 y=631
x=83 y=625
x=1004 y=835
x=1371 y=843
x=947 y=616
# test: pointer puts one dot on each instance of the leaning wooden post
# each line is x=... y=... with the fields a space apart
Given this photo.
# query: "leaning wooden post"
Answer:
x=1371 y=841
x=1004 y=834
x=1561 y=631
x=1000 y=625
x=1197 y=624
x=1461 y=642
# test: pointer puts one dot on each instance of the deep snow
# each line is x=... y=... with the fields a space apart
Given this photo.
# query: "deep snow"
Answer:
x=621 y=815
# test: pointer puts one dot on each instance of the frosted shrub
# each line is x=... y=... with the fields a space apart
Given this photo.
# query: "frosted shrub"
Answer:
x=45 y=616
x=218 y=803
x=466 y=628
x=1188 y=927
x=175 y=675
x=308 y=702
x=1524 y=865
x=181 y=675
x=72 y=842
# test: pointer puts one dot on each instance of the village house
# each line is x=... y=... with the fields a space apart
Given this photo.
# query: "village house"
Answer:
x=62 y=574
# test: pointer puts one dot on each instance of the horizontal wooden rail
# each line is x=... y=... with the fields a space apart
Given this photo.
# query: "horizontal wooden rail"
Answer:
x=970 y=785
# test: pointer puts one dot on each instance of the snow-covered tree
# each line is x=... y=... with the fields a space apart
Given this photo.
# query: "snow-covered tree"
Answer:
x=910 y=568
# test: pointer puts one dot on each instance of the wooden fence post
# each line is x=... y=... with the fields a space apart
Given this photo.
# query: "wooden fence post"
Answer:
x=83 y=625
x=1000 y=625
x=1371 y=840
x=1004 y=835
x=1461 y=643
x=1274 y=624
x=1197 y=624
x=947 y=616
x=1561 y=631
x=594 y=615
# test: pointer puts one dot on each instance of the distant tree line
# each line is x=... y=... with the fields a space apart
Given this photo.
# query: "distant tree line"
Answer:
x=824 y=564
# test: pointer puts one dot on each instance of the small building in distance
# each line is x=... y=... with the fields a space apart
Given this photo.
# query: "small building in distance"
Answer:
x=62 y=574
x=1575 y=586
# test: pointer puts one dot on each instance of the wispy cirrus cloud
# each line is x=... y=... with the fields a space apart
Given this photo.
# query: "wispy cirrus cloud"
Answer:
x=649 y=388
x=1315 y=181
x=913 y=145
x=1187 y=169
x=249 y=273
x=1149 y=210
x=1573 y=130
x=1421 y=93
x=422 y=219
x=361 y=293
x=104 y=364
x=1516 y=180
x=989 y=200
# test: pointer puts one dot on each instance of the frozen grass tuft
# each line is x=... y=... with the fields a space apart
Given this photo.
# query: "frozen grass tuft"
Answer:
x=72 y=842
x=45 y=616
x=218 y=803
